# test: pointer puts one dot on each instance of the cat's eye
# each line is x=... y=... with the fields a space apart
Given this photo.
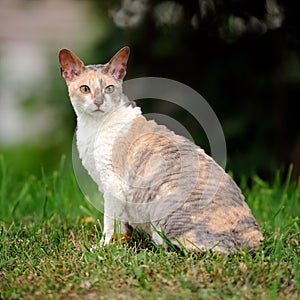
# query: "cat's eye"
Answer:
x=109 y=89
x=85 y=89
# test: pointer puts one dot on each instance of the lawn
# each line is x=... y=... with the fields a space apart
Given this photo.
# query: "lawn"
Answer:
x=47 y=228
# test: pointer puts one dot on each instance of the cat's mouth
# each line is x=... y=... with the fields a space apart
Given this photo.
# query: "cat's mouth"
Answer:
x=98 y=110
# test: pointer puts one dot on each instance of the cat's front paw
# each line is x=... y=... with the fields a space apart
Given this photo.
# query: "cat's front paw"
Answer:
x=116 y=239
x=96 y=247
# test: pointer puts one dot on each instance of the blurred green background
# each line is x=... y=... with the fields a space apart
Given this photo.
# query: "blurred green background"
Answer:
x=242 y=56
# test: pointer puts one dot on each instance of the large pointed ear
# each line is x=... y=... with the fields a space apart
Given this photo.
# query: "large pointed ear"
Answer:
x=117 y=65
x=71 y=65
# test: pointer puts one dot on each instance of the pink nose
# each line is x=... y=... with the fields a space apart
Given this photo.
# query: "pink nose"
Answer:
x=98 y=102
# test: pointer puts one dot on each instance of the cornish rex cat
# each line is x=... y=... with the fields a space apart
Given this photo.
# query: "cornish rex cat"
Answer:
x=149 y=176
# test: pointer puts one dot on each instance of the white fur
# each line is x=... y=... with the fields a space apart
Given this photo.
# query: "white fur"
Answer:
x=96 y=137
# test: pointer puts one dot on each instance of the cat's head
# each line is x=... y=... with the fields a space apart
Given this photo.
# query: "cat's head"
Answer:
x=95 y=89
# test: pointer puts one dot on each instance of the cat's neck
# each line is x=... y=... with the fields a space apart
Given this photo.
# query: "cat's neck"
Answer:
x=108 y=126
x=121 y=115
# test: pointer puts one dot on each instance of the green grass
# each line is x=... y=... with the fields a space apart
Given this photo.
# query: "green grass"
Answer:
x=46 y=231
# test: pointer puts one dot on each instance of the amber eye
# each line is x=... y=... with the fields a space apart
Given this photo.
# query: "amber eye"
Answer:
x=84 y=89
x=109 y=89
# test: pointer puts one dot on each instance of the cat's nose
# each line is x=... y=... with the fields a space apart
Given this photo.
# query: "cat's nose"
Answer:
x=98 y=102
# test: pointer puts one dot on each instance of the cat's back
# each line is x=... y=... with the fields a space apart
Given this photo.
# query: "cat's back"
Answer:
x=190 y=196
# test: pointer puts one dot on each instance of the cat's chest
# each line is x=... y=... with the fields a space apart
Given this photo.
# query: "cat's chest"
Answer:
x=94 y=151
x=96 y=145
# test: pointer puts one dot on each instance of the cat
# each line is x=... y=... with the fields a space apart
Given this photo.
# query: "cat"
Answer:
x=150 y=177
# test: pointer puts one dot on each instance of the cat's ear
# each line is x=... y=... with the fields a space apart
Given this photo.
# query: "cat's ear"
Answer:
x=117 y=65
x=71 y=65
